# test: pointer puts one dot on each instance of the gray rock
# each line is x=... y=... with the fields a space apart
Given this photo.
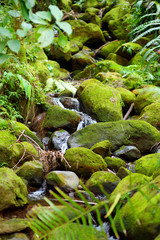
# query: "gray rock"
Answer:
x=128 y=153
x=58 y=140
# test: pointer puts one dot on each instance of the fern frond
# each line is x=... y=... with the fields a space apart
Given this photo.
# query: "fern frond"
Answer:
x=146 y=33
x=143 y=26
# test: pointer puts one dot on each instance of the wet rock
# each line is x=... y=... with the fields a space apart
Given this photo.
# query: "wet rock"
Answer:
x=102 y=102
x=13 y=190
x=66 y=180
x=148 y=164
x=107 y=179
x=59 y=117
x=129 y=184
x=144 y=221
x=58 y=140
x=13 y=225
x=32 y=171
x=128 y=153
x=130 y=132
x=69 y=102
x=102 y=148
x=146 y=96
x=123 y=172
x=114 y=163
x=84 y=161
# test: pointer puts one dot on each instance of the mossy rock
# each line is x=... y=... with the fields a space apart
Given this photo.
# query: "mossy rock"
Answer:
x=102 y=102
x=42 y=71
x=66 y=180
x=128 y=50
x=102 y=66
x=112 y=79
x=114 y=163
x=88 y=34
x=151 y=114
x=129 y=184
x=102 y=148
x=32 y=171
x=90 y=16
x=108 y=181
x=55 y=69
x=148 y=164
x=146 y=97
x=117 y=59
x=13 y=190
x=81 y=59
x=59 y=117
x=84 y=161
x=123 y=172
x=84 y=84
x=65 y=4
x=137 y=58
x=14 y=236
x=127 y=96
x=130 y=132
x=144 y=222
x=110 y=47
x=13 y=225
x=128 y=153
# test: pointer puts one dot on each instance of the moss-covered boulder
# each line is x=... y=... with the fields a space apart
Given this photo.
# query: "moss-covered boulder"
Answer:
x=141 y=216
x=147 y=96
x=89 y=34
x=66 y=180
x=112 y=79
x=148 y=164
x=103 y=102
x=13 y=190
x=127 y=96
x=129 y=184
x=81 y=59
x=123 y=172
x=102 y=66
x=151 y=114
x=84 y=161
x=13 y=225
x=114 y=20
x=130 y=132
x=107 y=179
x=128 y=50
x=117 y=59
x=65 y=4
x=102 y=148
x=128 y=153
x=55 y=69
x=32 y=171
x=59 y=117
x=114 y=163
x=110 y=47
x=91 y=16
x=42 y=71
x=13 y=236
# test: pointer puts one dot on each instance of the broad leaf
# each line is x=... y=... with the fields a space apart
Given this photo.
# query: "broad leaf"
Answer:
x=21 y=33
x=4 y=32
x=3 y=58
x=14 y=45
x=26 y=26
x=16 y=2
x=62 y=40
x=2 y=46
x=56 y=12
x=14 y=13
x=36 y=19
x=66 y=27
x=45 y=15
x=24 y=10
x=46 y=38
x=30 y=3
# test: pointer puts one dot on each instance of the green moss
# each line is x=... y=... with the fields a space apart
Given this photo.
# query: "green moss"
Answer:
x=128 y=97
x=108 y=180
x=42 y=71
x=102 y=148
x=59 y=117
x=123 y=172
x=14 y=225
x=81 y=60
x=114 y=163
x=151 y=114
x=84 y=161
x=110 y=47
x=148 y=164
x=128 y=50
x=117 y=59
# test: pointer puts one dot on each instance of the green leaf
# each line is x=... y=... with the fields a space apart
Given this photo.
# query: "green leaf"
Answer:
x=14 y=45
x=14 y=13
x=16 y=2
x=2 y=46
x=29 y=3
x=62 y=40
x=26 y=26
x=6 y=33
x=3 y=58
x=21 y=33
x=46 y=38
x=36 y=19
x=45 y=15
x=66 y=27
x=56 y=12
x=24 y=10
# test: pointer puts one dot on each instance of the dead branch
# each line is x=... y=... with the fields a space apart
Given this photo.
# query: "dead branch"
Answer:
x=129 y=111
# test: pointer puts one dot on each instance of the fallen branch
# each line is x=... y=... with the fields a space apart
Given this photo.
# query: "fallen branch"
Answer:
x=129 y=111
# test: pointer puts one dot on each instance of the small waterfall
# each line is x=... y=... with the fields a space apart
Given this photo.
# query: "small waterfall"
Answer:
x=38 y=194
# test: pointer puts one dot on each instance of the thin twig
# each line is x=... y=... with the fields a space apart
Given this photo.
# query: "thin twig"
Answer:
x=21 y=157
x=129 y=111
